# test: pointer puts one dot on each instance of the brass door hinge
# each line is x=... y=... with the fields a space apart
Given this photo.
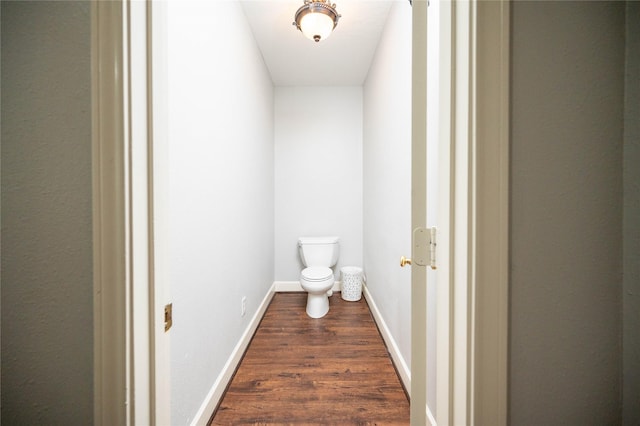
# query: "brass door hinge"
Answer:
x=168 y=317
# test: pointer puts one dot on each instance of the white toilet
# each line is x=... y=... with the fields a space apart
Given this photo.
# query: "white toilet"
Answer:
x=318 y=254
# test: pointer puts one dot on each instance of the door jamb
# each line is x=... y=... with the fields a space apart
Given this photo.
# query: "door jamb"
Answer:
x=481 y=149
x=109 y=217
x=418 y=406
x=490 y=210
x=124 y=390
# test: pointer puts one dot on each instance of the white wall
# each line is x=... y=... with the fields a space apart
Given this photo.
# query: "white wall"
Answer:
x=221 y=191
x=566 y=213
x=387 y=175
x=47 y=270
x=318 y=173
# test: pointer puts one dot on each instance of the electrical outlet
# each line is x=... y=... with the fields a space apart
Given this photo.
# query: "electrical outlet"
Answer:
x=244 y=306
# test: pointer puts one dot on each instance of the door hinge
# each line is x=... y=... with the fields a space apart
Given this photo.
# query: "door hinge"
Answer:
x=168 y=316
x=424 y=247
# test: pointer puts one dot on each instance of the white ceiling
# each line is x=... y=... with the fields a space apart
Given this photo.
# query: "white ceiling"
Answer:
x=340 y=60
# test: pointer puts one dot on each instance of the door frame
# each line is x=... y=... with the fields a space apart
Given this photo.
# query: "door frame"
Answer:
x=490 y=212
x=110 y=259
x=124 y=353
x=481 y=232
x=474 y=388
x=418 y=406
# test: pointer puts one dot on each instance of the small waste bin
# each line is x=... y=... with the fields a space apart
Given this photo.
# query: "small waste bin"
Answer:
x=352 y=278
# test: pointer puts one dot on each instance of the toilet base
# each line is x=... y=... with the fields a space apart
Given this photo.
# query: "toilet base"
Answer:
x=317 y=305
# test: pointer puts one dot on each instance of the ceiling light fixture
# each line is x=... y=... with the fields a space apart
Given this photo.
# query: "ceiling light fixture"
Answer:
x=316 y=19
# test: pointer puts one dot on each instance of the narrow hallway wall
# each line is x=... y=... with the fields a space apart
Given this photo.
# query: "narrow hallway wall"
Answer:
x=387 y=176
x=220 y=100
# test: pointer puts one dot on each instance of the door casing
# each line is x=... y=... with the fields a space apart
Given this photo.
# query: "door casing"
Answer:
x=479 y=156
x=473 y=310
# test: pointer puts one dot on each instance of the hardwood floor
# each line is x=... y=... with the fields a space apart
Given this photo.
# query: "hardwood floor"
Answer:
x=304 y=371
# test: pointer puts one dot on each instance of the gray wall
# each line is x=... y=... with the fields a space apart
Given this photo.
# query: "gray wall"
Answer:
x=47 y=324
x=566 y=213
x=631 y=222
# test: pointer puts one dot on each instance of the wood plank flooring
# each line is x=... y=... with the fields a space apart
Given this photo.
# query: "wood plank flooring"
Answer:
x=304 y=371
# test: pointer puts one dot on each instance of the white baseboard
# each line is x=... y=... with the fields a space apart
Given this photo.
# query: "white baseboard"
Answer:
x=216 y=393
x=403 y=370
x=430 y=418
x=288 y=286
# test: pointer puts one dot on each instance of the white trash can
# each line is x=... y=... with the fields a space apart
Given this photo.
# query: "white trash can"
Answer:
x=352 y=278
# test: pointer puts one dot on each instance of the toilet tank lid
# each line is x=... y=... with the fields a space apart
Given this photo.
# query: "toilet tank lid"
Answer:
x=318 y=240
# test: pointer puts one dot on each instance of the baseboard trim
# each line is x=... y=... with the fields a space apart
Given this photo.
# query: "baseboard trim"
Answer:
x=216 y=393
x=289 y=286
x=401 y=366
x=430 y=418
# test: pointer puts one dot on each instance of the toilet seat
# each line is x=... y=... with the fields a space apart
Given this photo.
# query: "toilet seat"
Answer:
x=317 y=273
x=317 y=282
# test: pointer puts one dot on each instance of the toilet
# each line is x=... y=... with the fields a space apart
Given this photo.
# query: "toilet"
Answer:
x=318 y=254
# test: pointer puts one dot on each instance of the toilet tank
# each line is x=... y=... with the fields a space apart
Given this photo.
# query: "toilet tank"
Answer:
x=319 y=251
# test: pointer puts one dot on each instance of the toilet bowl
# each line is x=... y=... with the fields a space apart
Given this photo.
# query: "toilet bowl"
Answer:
x=318 y=254
x=317 y=282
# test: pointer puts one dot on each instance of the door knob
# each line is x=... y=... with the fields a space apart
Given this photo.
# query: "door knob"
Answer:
x=404 y=261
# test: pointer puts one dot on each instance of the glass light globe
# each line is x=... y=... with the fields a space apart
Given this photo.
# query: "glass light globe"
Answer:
x=316 y=26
